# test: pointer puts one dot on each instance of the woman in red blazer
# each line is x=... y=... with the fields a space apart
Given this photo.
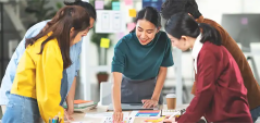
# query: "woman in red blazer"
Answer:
x=221 y=94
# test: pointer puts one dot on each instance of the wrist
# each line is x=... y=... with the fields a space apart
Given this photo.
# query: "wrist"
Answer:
x=155 y=98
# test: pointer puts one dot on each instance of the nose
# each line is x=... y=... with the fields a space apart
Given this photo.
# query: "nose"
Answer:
x=143 y=35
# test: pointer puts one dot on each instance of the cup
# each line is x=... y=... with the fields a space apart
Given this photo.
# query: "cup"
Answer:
x=171 y=101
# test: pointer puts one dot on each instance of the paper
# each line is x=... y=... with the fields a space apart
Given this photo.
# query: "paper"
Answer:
x=132 y=12
x=115 y=5
x=110 y=21
x=104 y=42
x=128 y=2
x=130 y=26
x=99 y=4
x=154 y=120
x=148 y=113
x=109 y=117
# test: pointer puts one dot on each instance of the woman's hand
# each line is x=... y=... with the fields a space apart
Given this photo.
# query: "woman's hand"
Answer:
x=118 y=116
x=150 y=103
x=68 y=115
x=169 y=120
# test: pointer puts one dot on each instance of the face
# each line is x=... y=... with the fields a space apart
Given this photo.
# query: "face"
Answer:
x=83 y=33
x=145 y=31
x=184 y=43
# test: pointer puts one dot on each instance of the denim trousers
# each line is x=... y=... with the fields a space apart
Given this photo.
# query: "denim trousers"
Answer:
x=255 y=113
x=21 y=109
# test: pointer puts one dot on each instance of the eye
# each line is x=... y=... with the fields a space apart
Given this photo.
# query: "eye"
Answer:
x=149 y=32
x=140 y=30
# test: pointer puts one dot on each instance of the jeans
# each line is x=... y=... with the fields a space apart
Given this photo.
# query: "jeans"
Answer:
x=255 y=113
x=21 y=109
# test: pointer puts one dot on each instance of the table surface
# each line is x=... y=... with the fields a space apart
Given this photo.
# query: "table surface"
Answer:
x=80 y=117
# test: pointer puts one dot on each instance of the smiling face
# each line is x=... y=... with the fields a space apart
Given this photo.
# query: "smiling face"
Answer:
x=83 y=33
x=145 y=31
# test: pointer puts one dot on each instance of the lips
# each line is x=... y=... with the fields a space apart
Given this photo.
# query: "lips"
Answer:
x=143 y=41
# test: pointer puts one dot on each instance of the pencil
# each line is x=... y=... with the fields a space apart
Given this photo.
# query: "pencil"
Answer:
x=161 y=112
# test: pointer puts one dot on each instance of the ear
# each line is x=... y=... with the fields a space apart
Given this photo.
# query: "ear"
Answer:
x=184 y=38
x=72 y=31
x=158 y=29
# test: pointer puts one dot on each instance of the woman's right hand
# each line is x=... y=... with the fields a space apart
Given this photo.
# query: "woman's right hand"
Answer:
x=118 y=116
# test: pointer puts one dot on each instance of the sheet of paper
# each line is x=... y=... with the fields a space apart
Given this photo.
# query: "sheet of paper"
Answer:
x=99 y=4
x=115 y=5
x=109 y=117
x=132 y=12
x=105 y=42
x=128 y=2
x=130 y=26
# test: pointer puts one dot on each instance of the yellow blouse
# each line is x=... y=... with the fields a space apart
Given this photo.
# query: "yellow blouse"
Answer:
x=39 y=76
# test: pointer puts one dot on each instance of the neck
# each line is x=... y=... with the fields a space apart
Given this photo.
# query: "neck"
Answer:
x=193 y=42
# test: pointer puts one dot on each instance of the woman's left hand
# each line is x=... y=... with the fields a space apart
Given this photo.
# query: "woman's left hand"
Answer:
x=149 y=103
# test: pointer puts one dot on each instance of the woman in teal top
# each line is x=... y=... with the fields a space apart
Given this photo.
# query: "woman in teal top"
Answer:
x=140 y=63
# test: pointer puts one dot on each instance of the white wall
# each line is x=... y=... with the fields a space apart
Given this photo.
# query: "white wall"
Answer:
x=212 y=9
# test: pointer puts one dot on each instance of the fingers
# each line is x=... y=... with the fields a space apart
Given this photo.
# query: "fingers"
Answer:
x=143 y=101
x=118 y=117
x=168 y=121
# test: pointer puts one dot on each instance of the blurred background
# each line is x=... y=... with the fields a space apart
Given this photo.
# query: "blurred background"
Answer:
x=239 y=17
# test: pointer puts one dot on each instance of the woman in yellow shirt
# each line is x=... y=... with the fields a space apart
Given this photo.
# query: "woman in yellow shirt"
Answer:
x=36 y=89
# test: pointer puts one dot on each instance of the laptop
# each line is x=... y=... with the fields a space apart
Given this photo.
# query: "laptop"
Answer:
x=131 y=107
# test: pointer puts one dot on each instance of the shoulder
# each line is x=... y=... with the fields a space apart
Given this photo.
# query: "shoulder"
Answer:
x=35 y=29
x=162 y=35
x=210 y=50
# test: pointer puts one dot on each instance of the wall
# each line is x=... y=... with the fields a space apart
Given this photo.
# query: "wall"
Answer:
x=212 y=9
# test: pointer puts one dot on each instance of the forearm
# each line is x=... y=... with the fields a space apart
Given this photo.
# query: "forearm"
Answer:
x=159 y=84
x=116 y=91
x=71 y=96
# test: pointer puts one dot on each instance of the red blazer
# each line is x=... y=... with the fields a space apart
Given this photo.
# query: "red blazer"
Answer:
x=220 y=95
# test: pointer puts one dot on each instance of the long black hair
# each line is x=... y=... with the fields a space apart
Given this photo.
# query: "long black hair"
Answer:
x=150 y=14
x=181 y=24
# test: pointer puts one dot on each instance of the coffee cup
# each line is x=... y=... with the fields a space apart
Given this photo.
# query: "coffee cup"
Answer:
x=171 y=101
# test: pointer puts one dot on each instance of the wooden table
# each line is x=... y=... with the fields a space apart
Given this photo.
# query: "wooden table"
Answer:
x=80 y=117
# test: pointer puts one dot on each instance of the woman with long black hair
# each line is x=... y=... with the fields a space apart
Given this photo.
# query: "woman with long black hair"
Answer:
x=220 y=95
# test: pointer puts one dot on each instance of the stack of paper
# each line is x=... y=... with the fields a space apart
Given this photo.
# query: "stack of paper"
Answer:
x=83 y=105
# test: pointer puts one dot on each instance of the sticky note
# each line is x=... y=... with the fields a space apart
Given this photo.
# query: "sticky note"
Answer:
x=128 y=2
x=132 y=12
x=104 y=42
x=130 y=26
x=115 y=5
x=99 y=4
x=120 y=35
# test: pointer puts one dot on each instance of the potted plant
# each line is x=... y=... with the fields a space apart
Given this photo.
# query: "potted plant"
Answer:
x=102 y=54
x=41 y=10
x=102 y=76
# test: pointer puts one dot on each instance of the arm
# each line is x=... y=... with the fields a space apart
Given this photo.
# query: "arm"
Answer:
x=49 y=74
x=166 y=62
x=207 y=67
x=116 y=91
x=159 y=83
x=71 y=96
x=117 y=69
